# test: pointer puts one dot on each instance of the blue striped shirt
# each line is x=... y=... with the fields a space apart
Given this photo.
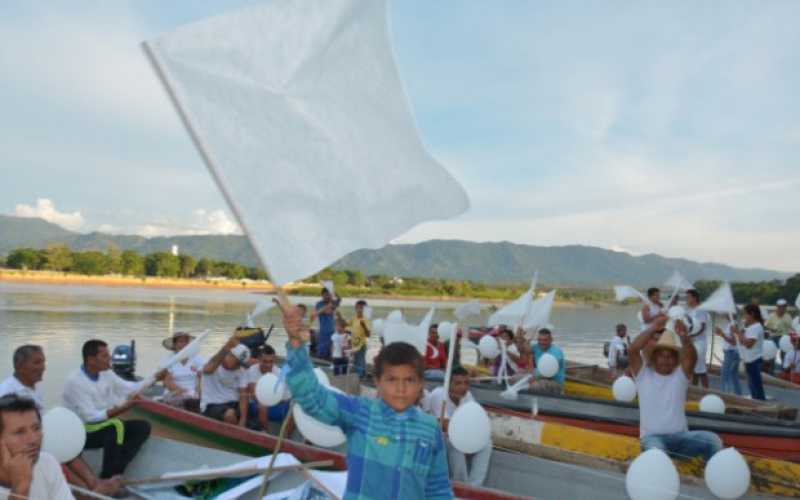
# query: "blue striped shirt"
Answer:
x=390 y=454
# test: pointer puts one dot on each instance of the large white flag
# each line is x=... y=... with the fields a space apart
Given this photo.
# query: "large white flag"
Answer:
x=721 y=301
x=513 y=315
x=298 y=110
x=539 y=314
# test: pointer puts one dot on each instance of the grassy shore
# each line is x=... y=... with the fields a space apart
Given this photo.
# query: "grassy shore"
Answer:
x=495 y=295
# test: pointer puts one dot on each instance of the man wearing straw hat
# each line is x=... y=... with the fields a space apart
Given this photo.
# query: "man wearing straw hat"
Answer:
x=662 y=373
x=183 y=378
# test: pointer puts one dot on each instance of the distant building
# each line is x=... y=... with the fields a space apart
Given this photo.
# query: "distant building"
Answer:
x=397 y=280
x=175 y=250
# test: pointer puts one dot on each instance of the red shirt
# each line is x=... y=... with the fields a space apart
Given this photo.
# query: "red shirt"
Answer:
x=435 y=360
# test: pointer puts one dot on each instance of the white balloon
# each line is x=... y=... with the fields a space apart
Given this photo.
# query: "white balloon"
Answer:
x=547 y=365
x=445 y=331
x=470 y=429
x=377 y=327
x=267 y=391
x=727 y=474
x=711 y=403
x=328 y=436
x=786 y=344
x=652 y=476
x=395 y=316
x=624 y=389
x=488 y=347
x=322 y=377
x=770 y=350
x=64 y=434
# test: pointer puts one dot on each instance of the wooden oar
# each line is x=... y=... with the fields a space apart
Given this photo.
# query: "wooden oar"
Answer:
x=200 y=475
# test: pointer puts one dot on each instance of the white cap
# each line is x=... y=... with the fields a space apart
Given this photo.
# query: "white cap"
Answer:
x=781 y=302
x=241 y=353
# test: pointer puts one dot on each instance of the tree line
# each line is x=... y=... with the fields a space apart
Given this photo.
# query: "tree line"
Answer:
x=766 y=292
x=60 y=258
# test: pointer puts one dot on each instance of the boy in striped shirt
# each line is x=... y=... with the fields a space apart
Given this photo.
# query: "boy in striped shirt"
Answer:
x=394 y=449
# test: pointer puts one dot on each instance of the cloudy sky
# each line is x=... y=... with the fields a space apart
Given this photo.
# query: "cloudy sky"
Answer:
x=638 y=126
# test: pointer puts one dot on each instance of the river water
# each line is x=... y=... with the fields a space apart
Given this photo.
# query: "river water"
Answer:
x=61 y=317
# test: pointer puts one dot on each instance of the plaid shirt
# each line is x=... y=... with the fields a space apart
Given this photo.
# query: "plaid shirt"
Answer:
x=389 y=454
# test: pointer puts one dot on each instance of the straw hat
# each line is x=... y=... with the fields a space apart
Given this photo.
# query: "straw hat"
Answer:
x=169 y=342
x=668 y=340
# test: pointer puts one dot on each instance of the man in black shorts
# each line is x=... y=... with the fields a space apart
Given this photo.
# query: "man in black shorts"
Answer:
x=224 y=385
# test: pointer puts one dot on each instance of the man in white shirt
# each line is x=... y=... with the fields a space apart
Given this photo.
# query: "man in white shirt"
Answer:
x=262 y=414
x=618 y=352
x=224 y=385
x=700 y=326
x=29 y=368
x=475 y=472
x=26 y=471
x=99 y=396
x=662 y=374
x=182 y=380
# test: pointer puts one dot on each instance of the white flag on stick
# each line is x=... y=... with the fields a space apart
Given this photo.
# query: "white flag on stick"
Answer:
x=721 y=301
x=297 y=109
x=539 y=314
x=678 y=282
x=513 y=314
x=625 y=292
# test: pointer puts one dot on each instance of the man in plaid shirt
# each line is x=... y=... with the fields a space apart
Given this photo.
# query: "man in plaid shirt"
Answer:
x=394 y=450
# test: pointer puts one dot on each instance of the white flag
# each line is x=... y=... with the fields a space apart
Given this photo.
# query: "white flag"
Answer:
x=721 y=301
x=625 y=292
x=678 y=282
x=539 y=315
x=467 y=309
x=297 y=108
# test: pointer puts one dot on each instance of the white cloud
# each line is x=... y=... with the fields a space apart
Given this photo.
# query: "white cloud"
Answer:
x=216 y=222
x=203 y=222
x=46 y=209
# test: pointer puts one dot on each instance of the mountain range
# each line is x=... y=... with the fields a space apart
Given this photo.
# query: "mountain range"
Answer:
x=503 y=262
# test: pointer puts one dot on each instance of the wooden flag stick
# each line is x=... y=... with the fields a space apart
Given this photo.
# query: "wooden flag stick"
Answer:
x=243 y=472
x=284 y=426
x=449 y=368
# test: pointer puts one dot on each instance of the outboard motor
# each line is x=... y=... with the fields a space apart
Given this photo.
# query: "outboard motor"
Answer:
x=123 y=361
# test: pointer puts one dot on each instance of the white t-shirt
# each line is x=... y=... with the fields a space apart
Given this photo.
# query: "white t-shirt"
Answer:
x=513 y=367
x=754 y=331
x=699 y=317
x=726 y=346
x=432 y=402
x=615 y=348
x=12 y=385
x=48 y=481
x=338 y=340
x=185 y=374
x=662 y=401
x=254 y=373
x=222 y=386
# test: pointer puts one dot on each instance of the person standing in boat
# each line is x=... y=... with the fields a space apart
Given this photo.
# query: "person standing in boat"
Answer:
x=394 y=449
x=183 y=378
x=618 y=352
x=751 y=340
x=778 y=324
x=223 y=394
x=435 y=355
x=325 y=313
x=257 y=412
x=29 y=367
x=730 y=361
x=99 y=396
x=360 y=331
x=544 y=345
x=700 y=325
x=470 y=469
x=662 y=373
x=25 y=470
x=340 y=342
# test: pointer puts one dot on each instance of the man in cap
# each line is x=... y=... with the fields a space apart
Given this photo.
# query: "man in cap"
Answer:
x=780 y=321
x=224 y=384
x=663 y=371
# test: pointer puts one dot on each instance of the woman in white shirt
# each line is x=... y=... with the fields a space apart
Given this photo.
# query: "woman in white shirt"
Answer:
x=183 y=379
x=751 y=341
x=730 y=361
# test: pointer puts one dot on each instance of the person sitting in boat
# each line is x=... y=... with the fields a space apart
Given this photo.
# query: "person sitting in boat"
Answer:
x=257 y=412
x=662 y=373
x=525 y=359
x=360 y=330
x=618 y=352
x=700 y=326
x=435 y=355
x=513 y=355
x=394 y=449
x=99 y=396
x=791 y=361
x=544 y=345
x=29 y=367
x=224 y=384
x=340 y=341
x=183 y=378
x=325 y=313
x=470 y=469
x=25 y=470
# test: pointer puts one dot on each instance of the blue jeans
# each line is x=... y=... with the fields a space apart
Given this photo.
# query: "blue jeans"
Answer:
x=730 y=372
x=360 y=361
x=682 y=445
x=754 y=381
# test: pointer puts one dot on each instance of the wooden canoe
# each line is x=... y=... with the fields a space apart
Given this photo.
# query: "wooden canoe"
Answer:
x=184 y=426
